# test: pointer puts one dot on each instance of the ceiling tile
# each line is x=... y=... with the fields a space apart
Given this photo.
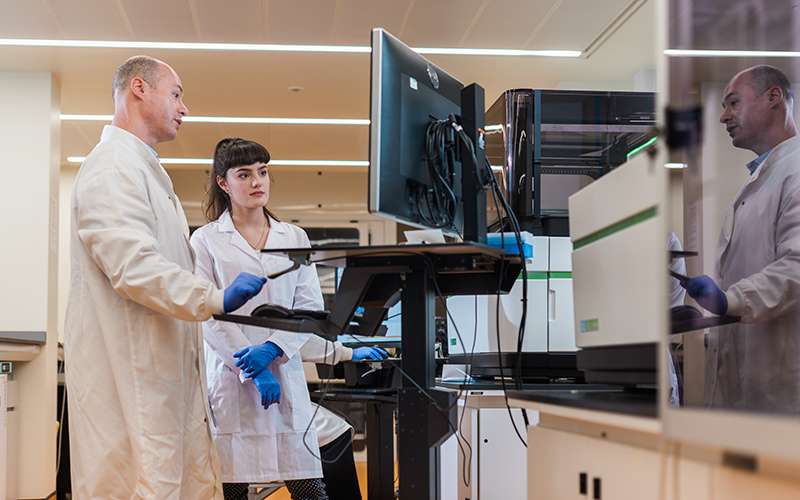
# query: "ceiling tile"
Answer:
x=357 y=18
x=576 y=23
x=300 y=21
x=507 y=25
x=160 y=21
x=231 y=22
x=439 y=24
x=90 y=19
x=27 y=19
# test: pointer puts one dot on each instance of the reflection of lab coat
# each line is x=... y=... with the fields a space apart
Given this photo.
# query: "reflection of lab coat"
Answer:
x=256 y=444
x=138 y=407
x=755 y=365
x=676 y=296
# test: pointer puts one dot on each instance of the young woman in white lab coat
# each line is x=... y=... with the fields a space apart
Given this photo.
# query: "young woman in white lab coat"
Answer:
x=261 y=435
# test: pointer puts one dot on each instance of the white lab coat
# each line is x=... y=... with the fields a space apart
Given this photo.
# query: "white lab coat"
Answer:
x=318 y=350
x=755 y=365
x=138 y=407
x=256 y=444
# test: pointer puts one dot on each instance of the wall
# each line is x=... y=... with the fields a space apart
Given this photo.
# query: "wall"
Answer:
x=30 y=141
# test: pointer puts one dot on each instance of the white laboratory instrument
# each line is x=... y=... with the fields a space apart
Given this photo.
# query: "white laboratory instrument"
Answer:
x=477 y=325
x=619 y=261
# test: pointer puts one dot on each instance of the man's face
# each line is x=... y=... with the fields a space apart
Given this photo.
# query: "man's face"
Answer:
x=745 y=114
x=165 y=106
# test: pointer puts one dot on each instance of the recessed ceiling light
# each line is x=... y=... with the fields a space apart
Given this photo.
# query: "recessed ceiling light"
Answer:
x=208 y=161
x=263 y=47
x=237 y=119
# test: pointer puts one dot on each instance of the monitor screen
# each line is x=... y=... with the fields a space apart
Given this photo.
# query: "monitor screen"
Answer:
x=408 y=92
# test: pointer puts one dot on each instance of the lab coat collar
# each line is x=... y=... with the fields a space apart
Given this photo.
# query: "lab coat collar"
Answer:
x=787 y=147
x=275 y=238
x=143 y=151
x=774 y=156
x=148 y=156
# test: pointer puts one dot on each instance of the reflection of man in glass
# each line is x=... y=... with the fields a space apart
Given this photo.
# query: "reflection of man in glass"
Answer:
x=755 y=365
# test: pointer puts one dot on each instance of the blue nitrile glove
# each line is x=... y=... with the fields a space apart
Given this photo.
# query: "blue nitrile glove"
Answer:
x=268 y=386
x=244 y=287
x=369 y=352
x=707 y=294
x=256 y=358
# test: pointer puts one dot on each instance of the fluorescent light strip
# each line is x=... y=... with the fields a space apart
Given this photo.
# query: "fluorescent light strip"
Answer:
x=675 y=165
x=240 y=119
x=208 y=161
x=115 y=44
x=492 y=128
x=263 y=47
x=729 y=53
x=497 y=52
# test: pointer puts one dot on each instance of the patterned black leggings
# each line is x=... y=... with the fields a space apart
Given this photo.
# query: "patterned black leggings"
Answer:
x=300 y=489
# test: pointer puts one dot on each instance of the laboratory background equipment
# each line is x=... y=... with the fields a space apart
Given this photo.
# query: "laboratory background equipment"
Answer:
x=544 y=146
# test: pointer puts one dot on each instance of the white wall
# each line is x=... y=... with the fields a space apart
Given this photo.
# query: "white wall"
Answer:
x=30 y=141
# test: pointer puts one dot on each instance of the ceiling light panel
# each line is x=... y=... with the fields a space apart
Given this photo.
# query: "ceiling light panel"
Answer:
x=208 y=161
x=729 y=53
x=238 y=119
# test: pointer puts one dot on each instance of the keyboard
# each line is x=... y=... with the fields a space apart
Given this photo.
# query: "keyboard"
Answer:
x=340 y=388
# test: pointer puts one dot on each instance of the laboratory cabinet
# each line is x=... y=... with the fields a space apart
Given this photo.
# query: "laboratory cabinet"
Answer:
x=587 y=454
x=573 y=467
x=493 y=462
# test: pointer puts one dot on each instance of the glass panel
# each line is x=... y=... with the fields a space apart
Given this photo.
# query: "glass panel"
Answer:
x=745 y=227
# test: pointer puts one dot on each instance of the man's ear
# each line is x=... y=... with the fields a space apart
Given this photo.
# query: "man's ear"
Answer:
x=775 y=95
x=138 y=87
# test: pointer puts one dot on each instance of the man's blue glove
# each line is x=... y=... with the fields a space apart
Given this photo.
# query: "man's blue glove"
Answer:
x=244 y=287
x=268 y=387
x=369 y=352
x=256 y=358
x=707 y=294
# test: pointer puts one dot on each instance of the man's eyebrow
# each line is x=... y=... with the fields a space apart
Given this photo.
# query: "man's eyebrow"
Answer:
x=727 y=98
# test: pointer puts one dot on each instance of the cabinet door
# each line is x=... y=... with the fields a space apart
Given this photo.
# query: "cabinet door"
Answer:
x=556 y=461
x=625 y=472
x=502 y=456
x=561 y=316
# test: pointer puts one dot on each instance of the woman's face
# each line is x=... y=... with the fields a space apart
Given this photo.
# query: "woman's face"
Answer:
x=248 y=185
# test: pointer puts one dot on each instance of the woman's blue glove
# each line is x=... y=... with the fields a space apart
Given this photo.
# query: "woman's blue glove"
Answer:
x=244 y=287
x=707 y=294
x=256 y=358
x=369 y=352
x=268 y=387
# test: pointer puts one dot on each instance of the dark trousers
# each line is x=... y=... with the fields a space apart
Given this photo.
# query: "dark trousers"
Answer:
x=339 y=474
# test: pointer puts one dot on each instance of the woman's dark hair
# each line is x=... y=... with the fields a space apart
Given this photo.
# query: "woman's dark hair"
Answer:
x=231 y=153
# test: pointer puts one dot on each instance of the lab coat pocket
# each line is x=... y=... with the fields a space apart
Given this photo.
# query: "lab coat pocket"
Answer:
x=295 y=396
x=166 y=337
x=223 y=392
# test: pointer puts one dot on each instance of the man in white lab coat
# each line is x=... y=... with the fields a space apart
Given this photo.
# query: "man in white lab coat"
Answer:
x=139 y=423
x=755 y=365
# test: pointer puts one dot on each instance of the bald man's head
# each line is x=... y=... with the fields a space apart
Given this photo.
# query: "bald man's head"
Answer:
x=145 y=67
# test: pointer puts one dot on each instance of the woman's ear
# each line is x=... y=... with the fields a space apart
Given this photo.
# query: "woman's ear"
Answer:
x=222 y=183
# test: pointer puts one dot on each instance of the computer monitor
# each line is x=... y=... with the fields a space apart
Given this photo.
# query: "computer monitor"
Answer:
x=408 y=93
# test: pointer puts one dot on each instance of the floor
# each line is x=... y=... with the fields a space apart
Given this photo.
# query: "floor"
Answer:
x=361 y=470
